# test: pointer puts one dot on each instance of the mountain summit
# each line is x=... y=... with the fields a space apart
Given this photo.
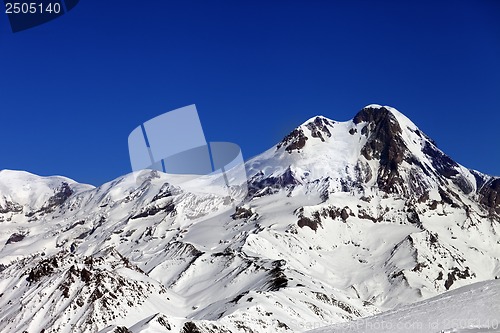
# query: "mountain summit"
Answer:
x=342 y=220
x=379 y=149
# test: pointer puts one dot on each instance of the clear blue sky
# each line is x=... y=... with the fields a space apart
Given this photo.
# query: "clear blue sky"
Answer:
x=72 y=90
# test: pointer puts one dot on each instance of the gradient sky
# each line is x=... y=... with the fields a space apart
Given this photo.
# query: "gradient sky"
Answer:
x=73 y=89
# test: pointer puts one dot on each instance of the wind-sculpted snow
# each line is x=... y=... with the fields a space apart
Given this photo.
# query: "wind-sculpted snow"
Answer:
x=342 y=220
x=470 y=309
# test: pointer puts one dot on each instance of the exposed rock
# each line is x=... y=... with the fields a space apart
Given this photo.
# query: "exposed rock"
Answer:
x=61 y=195
x=296 y=140
x=307 y=222
x=441 y=162
x=14 y=238
x=457 y=274
x=304 y=221
x=154 y=209
x=384 y=143
x=413 y=217
x=319 y=128
x=259 y=182
x=242 y=213
x=344 y=214
x=446 y=167
x=43 y=268
x=121 y=329
x=278 y=279
x=190 y=327
x=490 y=195
x=11 y=207
x=332 y=301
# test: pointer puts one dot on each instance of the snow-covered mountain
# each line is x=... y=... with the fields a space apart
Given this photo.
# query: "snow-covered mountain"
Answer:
x=342 y=220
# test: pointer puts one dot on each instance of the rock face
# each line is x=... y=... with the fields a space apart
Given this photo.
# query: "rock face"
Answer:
x=293 y=141
x=86 y=285
x=342 y=220
x=490 y=195
x=319 y=128
x=384 y=143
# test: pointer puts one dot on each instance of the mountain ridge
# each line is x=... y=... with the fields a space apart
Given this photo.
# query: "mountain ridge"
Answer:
x=342 y=220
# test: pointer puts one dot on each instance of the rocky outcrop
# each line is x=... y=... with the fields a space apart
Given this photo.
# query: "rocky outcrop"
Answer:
x=260 y=185
x=296 y=140
x=319 y=128
x=490 y=195
x=385 y=144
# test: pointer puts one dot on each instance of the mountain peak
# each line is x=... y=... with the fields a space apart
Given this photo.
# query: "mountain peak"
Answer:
x=379 y=147
x=374 y=113
x=383 y=121
x=318 y=127
x=319 y=119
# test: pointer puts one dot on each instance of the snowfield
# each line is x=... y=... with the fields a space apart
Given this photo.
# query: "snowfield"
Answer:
x=470 y=309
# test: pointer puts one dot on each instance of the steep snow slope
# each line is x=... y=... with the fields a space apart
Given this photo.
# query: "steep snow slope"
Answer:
x=471 y=309
x=342 y=220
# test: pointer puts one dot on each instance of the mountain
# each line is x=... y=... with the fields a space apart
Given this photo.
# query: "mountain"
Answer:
x=342 y=220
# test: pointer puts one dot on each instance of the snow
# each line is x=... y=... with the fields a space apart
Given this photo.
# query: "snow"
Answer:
x=26 y=188
x=473 y=308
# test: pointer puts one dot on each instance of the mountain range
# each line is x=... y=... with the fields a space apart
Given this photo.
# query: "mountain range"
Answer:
x=342 y=221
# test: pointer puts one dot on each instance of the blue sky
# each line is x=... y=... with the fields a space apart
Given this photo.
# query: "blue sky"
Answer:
x=72 y=90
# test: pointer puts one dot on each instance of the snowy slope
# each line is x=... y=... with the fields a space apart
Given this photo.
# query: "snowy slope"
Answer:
x=30 y=192
x=471 y=309
x=343 y=220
